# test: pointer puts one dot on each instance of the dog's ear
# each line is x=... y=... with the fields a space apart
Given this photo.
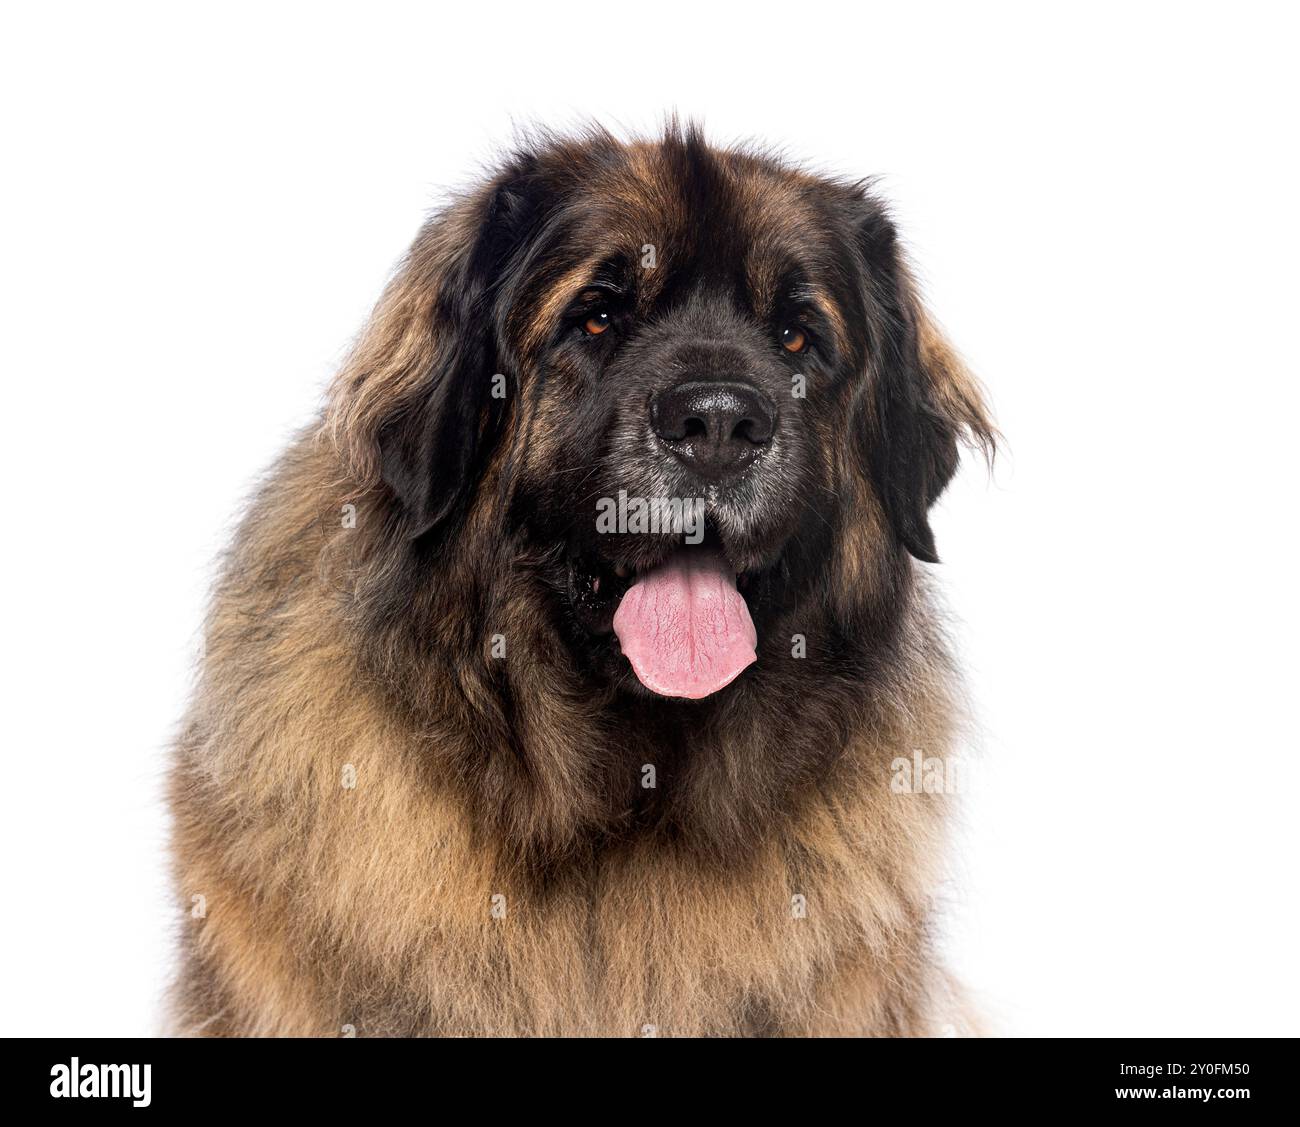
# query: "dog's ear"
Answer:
x=421 y=402
x=924 y=401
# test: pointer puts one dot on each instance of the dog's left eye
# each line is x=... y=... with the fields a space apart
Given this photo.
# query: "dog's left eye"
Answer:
x=794 y=339
x=597 y=323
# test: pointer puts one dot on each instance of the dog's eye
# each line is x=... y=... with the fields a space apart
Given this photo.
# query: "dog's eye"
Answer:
x=597 y=323
x=794 y=339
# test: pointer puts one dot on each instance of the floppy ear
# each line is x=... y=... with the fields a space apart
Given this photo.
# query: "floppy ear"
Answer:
x=414 y=407
x=925 y=400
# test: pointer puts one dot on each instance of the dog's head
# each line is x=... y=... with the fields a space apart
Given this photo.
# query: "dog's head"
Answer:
x=697 y=383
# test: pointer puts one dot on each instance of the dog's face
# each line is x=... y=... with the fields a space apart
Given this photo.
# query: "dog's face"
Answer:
x=695 y=383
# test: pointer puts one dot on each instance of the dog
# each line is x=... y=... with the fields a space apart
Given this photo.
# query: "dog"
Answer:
x=558 y=677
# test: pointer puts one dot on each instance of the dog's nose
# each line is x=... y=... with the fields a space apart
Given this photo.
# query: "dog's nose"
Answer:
x=716 y=428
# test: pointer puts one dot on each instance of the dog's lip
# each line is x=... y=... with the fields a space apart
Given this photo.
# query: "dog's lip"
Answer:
x=633 y=572
x=629 y=567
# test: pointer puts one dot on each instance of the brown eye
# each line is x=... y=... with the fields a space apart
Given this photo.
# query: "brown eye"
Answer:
x=793 y=339
x=597 y=323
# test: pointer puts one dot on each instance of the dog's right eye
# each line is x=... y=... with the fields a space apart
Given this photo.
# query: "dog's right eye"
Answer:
x=597 y=323
x=794 y=339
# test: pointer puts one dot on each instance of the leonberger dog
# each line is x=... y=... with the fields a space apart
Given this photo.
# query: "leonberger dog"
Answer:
x=561 y=676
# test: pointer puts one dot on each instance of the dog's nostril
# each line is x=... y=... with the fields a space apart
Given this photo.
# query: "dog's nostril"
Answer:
x=695 y=427
x=750 y=431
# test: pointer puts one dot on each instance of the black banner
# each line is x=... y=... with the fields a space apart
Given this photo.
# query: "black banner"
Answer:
x=355 y=1074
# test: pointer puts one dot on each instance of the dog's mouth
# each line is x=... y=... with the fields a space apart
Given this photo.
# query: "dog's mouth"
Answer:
x=683 y=621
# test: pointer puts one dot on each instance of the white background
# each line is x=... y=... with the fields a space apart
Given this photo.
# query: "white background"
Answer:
x=201 y=202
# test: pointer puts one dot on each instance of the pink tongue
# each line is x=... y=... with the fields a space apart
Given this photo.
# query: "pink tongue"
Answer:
x=684 y=626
